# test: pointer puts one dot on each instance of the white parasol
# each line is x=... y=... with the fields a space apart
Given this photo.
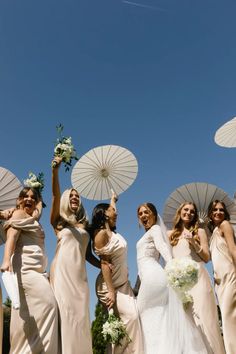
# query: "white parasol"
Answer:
x=102 y=169
x=199 y=193
x=226 y=135
x=10 y=188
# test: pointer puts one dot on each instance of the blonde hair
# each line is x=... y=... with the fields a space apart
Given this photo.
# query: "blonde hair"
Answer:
x=179 y=226
x=67 y=214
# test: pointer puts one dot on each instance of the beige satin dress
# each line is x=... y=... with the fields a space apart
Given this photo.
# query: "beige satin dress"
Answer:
x=69 y=281
x=125 y=307
x=225 y=286
x=204 y=308
x=34 y=327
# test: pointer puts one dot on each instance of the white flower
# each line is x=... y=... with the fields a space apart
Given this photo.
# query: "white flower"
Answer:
x=33 y=181
x=65 y=149
x=114 y=329
x=182 y=275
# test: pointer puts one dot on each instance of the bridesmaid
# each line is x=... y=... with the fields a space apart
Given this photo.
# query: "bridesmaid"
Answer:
x=112 y=285
x=223 y=251
x=34 y=327
x=4 y=215
x=188 y=240
x=68 y=274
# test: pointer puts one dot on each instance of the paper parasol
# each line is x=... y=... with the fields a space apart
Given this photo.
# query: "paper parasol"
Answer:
x=11 y=285
x=226 y=135
x=102 y=169
x=199 y=193
x=10 y=188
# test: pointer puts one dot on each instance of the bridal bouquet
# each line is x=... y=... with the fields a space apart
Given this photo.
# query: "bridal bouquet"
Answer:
x=64 y=148
x=182 y=275
x=36 y=182
x=114 y=329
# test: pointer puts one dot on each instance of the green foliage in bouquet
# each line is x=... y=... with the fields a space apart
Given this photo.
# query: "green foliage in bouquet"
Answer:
x=64 y=148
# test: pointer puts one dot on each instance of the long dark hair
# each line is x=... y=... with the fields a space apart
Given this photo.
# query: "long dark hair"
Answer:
x=99 y=218
x=211 y=207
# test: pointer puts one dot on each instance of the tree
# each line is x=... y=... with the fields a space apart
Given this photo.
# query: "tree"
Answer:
x=99 y=345
x=6 y=326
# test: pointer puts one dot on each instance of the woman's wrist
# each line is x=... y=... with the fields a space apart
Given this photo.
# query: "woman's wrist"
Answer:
x=198 y=249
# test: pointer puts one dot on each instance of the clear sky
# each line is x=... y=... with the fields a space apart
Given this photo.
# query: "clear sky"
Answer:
x=156 y=77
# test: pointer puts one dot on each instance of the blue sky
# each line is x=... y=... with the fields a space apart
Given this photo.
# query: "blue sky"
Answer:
x=156 y=77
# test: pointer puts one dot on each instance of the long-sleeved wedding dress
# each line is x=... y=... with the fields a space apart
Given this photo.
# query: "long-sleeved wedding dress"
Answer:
x=166 y=327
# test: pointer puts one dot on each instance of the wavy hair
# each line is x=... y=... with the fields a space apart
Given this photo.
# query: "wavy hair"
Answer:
x=211 y=207
x=99 y=218
x=178 y=225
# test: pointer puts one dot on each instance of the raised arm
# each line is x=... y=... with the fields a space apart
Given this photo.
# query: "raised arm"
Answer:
x=228 y=233
x=114 y=199
x=56 y=194
x=38 y=210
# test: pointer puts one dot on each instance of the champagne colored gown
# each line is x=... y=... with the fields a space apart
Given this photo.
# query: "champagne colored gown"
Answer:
x=34 y=327
x=204 y=308
x=225 y=286
x=125 y=307
x=68 y=277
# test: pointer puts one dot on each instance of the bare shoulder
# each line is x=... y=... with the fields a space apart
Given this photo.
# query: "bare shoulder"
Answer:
x=19 y=214
x=101 y=238
x=169 y=232
x=225 y=226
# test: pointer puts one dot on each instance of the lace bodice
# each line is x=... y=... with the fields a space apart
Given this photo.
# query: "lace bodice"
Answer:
x=153 y=244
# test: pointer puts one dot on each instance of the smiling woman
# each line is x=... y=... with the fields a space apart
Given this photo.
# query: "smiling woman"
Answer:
x=68 y=274
x=112 y=285
x=25 y=255
x=223 y=251
x=188 y=240
x=160 y=310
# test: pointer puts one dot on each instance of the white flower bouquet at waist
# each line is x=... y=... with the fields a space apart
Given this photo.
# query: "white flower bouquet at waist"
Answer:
x=182 y=275
x=64 y=148
x=114 y=330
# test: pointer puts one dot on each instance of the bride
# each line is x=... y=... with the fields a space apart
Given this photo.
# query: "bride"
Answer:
x=166 y=328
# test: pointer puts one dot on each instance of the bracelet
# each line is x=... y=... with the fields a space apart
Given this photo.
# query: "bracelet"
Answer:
x=200 y=250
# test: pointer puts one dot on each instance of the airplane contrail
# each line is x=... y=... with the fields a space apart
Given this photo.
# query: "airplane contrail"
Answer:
x=142 y=5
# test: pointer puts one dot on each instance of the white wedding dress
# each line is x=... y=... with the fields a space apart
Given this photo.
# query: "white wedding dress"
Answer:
x=166 y=327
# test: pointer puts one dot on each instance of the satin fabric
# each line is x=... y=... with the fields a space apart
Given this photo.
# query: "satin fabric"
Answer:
x=68 y=277
x=34 y=327
x=204 y=308
x=125 y=305
x=225 y=287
